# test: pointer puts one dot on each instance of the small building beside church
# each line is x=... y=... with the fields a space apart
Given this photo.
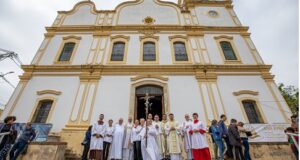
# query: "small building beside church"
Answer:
x=193 y=56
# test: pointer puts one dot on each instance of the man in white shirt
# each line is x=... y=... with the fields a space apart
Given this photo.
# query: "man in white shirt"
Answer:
x=136 y=140
x=109 y=130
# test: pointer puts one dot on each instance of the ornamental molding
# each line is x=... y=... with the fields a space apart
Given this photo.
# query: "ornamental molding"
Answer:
x=241 y=92
x=136 y=78
x=54 y=92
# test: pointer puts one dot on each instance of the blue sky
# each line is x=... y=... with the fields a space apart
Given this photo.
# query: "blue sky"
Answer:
x=273 y=24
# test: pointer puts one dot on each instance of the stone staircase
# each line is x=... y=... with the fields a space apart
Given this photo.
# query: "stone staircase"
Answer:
x=70 y=155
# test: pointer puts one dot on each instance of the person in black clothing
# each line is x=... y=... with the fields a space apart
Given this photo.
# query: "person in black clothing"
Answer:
x=8 y=139
x=86 y=143
x=235 y=140
x=224 y=133
x=26 y=137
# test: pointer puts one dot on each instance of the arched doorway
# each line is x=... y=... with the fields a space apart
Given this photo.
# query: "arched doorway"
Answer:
x=156 y=102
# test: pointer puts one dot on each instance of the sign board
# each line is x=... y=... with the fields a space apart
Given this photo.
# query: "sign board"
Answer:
x=267 y=132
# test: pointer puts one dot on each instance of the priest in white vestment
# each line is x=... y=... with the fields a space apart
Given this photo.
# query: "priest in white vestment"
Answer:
x=96 y=145
x=127 y=145
x=157 y=124
x=173 y=138
x=149 y=142
x=117 y=143
x=199 y=142
x=186 y=125
x=164 y=136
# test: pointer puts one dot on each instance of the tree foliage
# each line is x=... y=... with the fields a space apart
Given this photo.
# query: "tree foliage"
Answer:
x=291 y=96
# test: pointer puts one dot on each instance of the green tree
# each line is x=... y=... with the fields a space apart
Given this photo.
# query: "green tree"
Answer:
x=291 y=96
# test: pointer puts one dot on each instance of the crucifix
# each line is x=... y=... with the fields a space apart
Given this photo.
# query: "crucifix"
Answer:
x=147 y=97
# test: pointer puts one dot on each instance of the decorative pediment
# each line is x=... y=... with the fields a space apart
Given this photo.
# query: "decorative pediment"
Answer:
x=72 y=37
x=120 y=36
x=223 y=37
x=241 y=92
x=177 y=37
x=54 y=92
x=149 y=76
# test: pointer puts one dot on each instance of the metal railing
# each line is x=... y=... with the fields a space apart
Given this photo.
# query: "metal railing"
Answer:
x=293 y=135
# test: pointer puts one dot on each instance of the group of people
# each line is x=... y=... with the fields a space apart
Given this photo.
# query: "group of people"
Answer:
x=12 y=145
x=231 y=140
x=147 y=139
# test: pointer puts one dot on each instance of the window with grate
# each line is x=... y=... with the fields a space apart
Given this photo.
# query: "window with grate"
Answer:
x=149 y=51
x=252 y=111
x=180 y=51
x=118 y=51
x=42 y=111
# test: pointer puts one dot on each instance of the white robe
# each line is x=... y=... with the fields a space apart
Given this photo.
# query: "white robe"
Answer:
x=159 y=137
x=186 y=125
x=97 y=143
x=127 y=145
x=198 y=140
x=117 y=143
x=151 y=152
x=173 y=140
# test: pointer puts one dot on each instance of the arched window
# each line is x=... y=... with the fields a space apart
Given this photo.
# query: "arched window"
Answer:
x=67 y=51
x=180 y=51
x=228 y=50
x=42 y=111
x=252 y=111
x=118 y=51
x=149 y=51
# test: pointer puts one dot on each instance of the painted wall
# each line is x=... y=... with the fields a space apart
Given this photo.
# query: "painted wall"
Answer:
x=81 y=16
x=230 y=84
x=64 y=102
x=135 y=13
x=80 y=56
x=222 y=19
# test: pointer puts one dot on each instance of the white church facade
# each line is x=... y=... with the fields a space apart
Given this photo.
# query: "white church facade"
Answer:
x=194 y=56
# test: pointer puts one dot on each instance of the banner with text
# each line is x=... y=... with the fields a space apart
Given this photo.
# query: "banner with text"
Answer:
x=267 y=132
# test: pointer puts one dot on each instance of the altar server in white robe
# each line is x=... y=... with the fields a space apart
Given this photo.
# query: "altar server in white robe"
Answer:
x=117 y=143
x=127 y=145
x=172 y=128
x=199 y=142
x=157 y=124
x=186 y=125
x=150 y=147
x=96 y=145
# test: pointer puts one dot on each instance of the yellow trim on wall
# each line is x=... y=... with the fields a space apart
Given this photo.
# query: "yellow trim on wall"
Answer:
x=74 y=39
x=183 y=39
x=229 y=39
x=258 y=109
x=37 y=104
x=114 y=39
x=153 y=39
